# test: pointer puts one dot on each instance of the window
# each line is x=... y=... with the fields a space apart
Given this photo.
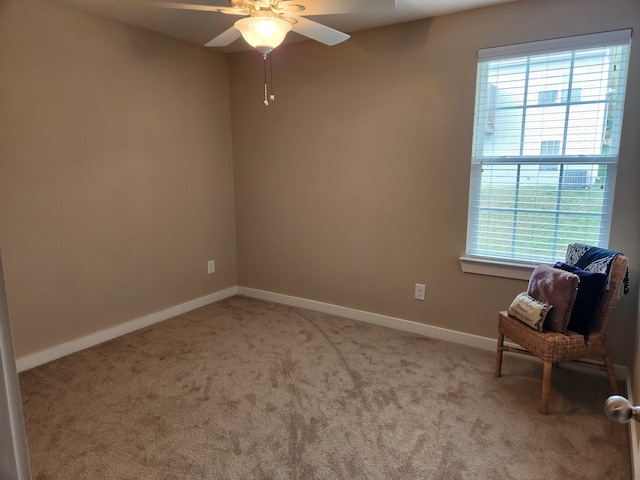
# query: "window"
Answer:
x=543 y=172
x=549 y=147
x=547 y=97
x=576 y=95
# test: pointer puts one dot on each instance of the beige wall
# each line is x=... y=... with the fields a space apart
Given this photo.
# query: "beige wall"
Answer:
x=115 y=172
x=353 y=185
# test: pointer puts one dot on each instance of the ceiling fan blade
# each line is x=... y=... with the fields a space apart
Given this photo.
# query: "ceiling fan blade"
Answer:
x=319 y=32
x=190 y=6
x=225 y=38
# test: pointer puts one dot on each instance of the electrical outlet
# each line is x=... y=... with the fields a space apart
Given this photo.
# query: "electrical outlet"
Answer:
x=419 y=291
x=211 y=266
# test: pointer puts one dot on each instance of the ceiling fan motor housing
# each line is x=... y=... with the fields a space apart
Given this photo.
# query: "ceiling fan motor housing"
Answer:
x=250 y=6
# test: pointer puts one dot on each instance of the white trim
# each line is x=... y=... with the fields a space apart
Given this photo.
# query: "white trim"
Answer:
x=72 y=346
x=496 y=268
x=467 y=339
x=577 y=42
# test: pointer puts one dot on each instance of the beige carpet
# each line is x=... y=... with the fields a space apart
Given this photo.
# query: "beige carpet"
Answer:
x=246 y=389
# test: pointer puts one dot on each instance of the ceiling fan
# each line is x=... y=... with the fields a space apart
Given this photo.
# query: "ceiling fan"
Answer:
x=265 y=23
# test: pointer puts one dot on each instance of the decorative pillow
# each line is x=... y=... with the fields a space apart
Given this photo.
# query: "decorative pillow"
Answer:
x=590 y=288
x=530 y=311
x=558 y=288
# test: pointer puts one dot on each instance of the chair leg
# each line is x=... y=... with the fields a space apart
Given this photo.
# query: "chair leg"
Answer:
x=546 y=387
x=612 y=376
x=500 y=348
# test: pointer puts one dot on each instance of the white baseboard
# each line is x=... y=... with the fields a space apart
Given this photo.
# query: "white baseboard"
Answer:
x=59 y=351
x=374 y=318
x=468 y=339
x=454 y=336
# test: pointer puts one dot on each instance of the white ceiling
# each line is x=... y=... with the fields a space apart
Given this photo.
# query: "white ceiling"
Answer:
x=201 y=26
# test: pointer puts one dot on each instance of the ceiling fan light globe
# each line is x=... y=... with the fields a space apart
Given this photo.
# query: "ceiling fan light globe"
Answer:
x=263 y=33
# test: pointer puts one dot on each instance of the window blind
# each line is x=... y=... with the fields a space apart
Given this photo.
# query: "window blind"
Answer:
x=547 y=130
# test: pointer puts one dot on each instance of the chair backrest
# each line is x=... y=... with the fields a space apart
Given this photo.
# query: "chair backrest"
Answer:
x=612 y=294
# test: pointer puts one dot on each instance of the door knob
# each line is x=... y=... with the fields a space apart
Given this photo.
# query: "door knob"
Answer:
x=620 y=410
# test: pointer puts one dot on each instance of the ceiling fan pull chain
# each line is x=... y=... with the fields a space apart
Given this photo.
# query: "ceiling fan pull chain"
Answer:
x=272 y=96
x=266 y=100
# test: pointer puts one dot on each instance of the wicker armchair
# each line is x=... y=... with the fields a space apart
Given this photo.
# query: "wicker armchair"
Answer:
x=553 y=348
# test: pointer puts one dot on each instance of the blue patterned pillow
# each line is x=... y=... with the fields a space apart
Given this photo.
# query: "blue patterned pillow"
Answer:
x=590 y=288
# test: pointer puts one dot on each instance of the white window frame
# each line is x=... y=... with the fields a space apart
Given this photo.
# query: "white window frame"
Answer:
x=474 y=262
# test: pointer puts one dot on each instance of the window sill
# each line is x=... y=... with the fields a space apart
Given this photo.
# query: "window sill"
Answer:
x=497 y=268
